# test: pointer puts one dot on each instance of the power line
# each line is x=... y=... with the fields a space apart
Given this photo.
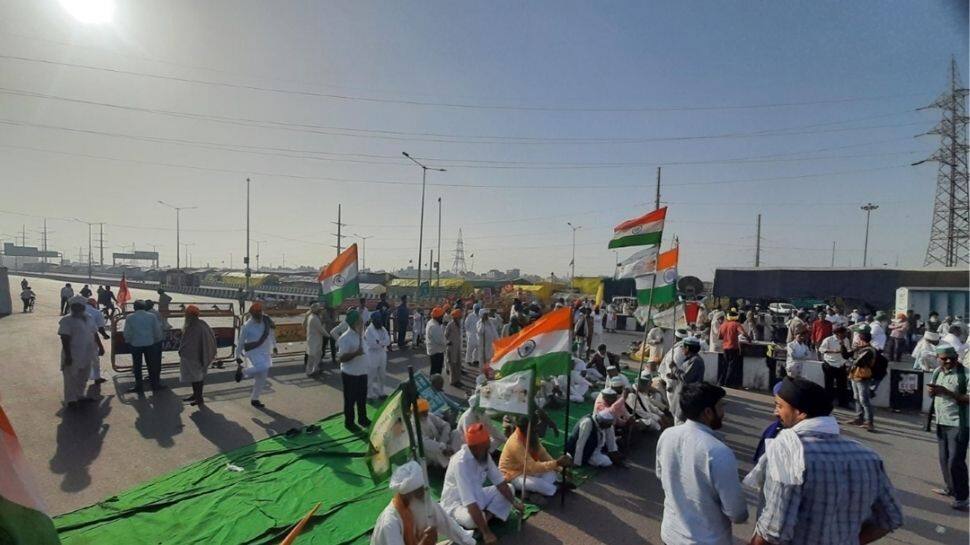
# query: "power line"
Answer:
x=455 y=105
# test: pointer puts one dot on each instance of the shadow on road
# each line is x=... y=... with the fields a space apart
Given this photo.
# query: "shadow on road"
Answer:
x=80 y=435
x=225 y=434
x=159 y=417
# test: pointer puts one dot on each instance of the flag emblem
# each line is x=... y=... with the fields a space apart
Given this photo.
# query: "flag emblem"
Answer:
x=527 y=348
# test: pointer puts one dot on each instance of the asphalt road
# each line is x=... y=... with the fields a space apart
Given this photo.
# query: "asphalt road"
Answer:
x=81 y=458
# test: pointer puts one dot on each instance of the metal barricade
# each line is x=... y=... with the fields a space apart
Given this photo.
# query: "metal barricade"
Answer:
x=290 y=331
x=226 y=334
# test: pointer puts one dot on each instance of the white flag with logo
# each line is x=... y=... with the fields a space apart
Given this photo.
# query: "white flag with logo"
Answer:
x=509 y=394
x=639 y=264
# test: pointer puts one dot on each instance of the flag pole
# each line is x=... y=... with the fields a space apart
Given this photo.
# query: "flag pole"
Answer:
x=646 y=325
x=565 y=428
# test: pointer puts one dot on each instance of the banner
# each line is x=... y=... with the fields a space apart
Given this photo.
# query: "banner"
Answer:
x=510 y=394
x=290 y=333
x=389 y=437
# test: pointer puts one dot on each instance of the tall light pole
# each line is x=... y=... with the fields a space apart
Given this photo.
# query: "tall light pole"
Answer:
x=572 y=272
x=437 y=265
x=90 y=258
x=424 y=183
x=869 y=207
x=258 y=243
x=178 y=213
x=363 y=248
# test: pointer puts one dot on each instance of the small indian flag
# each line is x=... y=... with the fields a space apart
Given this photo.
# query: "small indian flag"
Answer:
x=338 y=280
x=664 y=290
x=23 y=520
x=543 y=346
x=643 y=231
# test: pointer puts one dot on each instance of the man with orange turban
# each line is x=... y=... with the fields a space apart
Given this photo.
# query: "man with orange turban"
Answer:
x=197 y=349
x=435 y=435
x=465 y=496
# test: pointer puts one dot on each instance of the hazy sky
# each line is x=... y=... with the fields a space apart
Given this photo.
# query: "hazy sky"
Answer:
x=542 y=112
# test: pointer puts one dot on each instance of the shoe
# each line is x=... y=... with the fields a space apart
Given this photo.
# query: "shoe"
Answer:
x=189 y=399
x=351 y=427
x=257 y=403
x=963 y=505
x=239 y=374
x=870 y=427
x=364 y=423
x=854 y=422
x=101 y=381
x=941 y=492
x=199 y=404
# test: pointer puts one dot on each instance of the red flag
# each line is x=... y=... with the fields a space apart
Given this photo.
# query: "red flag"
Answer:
x=123 y=294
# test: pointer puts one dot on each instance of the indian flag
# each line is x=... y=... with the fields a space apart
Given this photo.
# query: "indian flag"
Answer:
x=643 y=231
x=23 y=520
x=338 y=280
x=664 y=290
x=543 y=346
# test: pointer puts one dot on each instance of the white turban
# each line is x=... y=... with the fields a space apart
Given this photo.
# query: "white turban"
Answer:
x=604 y=416
x=616 y=382
x=407 y=478
x=608 y=392
x=931 y=336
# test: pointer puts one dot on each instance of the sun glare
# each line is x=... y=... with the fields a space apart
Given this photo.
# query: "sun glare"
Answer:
x=90 y=11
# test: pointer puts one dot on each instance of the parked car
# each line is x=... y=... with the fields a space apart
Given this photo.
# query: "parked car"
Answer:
x=781 y=308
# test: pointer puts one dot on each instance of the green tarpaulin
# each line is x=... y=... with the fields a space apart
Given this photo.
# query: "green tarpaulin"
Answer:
x=282 y=478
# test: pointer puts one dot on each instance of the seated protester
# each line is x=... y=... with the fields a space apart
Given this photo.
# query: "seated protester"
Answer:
x=540 y=469
x=647 y=413
x=476 y=415
x=798 y=353
x=446 y=412
x=613 y=373
x=436 y=434
x=820 y=488
x=592 y=436
x=602 y=359
x=464 y=495
x=413 y=517
x=578 y=385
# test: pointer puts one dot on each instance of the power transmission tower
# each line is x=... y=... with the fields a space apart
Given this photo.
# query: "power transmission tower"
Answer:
x=44 y=234
x=458 y=266
x=951 y=208
x=339 y=233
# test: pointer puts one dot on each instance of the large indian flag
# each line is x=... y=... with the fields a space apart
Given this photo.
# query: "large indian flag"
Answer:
x=338 y=280
x=23 y=520
x=665 y=288
x=643 y=231
x=543 y=346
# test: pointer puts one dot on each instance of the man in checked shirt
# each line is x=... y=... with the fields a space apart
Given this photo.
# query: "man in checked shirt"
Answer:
x=820 y=488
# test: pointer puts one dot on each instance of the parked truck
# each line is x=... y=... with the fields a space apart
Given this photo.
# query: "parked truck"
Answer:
x=922 y=301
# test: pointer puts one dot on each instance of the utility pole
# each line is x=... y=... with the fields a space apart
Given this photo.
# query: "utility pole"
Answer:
x=246 y=259
x=339 y=234
x=656 y=205
x=424 y=183
x=437 y=265
x=757 y=244
x=363 y=248
x=869 y=207
x=833 y=253
x=101 y=244
x=23 y=235
x=178 y=227
x=950 y=231
x=572 y=264
x=45 y=244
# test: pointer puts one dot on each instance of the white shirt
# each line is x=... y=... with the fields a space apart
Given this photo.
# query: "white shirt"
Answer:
x=81 y=330
x=597 y=323
x=471 y=329
x=347 y=343
x=836 y=319
x=878 y=333
x=797 y=354
x=924 y=356
x=832 y=343
x=96 y=316
x=465 y=479
x=703 y=495
x=955 y=342
x=251 y=331
x=376 y=341
x=434 y=338
x=389 y=530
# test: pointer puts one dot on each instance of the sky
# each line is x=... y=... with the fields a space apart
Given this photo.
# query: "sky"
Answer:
x=542 y=113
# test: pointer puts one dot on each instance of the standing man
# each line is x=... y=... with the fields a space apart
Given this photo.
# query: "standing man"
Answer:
x=256 y=343
x=376 y=342
x=435 y=341
x=797 y=323
x=109 y=301
x=316 y=336
x=834 y=351
x=699 y=473
x=819 y=487
x=197 y=350
x=453 y=340
x=85 y=291
x=821 y=329
x=949 y=390
x=878 y=329
x=142 y=330
x=861 y=372
x=472 y=338
x=353 y=372
x=66 y=293
x=690 y=372
x=91 y=308
x=79 y=349
x=798 y=352
x=401 y=317
x=487 y=332
x=730 y=333
x=164 y=300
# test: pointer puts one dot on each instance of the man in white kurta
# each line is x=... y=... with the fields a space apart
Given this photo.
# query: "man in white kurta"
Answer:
x=436 y=436
x=465 y=495
x=314 y=340
x=256 y=343
x=376 y=341
x=412 y=509
x=78 y=349
x=487 y=333
x=476 y=415
x=98 y=319
x=472 y=339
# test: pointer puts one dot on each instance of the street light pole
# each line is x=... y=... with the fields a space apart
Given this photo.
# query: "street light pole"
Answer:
x=178 y=228
x=90 y=224
x=424 y=183
x=869 y=207
x=572 y=273
x=437 y=266
x=363 y=248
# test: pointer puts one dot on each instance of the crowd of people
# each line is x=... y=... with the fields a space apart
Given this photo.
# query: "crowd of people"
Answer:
x=803 y=464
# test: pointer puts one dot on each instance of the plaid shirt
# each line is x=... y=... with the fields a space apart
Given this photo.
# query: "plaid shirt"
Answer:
x=845 y=486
